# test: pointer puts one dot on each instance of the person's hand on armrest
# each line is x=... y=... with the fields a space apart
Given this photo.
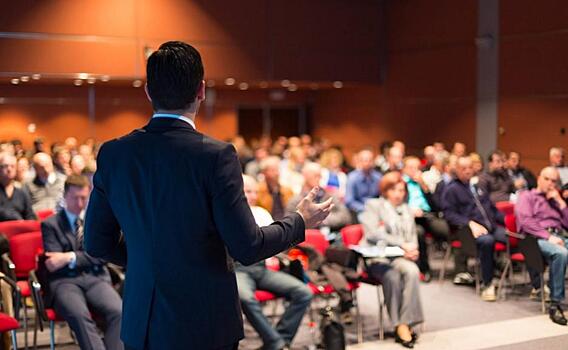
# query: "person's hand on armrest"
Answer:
x=314 y=213
x=58 y=260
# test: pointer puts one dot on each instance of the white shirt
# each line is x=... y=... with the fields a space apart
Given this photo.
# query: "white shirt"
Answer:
x=261 y=216
x=175 y=116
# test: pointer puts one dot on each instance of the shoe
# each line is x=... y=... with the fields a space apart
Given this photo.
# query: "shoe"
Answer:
x=535 y=294
x=425 y=277
x=488 y=293
x=406 y=343
x=557 y=315
x=464 y=278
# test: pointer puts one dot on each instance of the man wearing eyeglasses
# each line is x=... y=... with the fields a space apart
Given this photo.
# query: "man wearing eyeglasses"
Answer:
x=543 y=213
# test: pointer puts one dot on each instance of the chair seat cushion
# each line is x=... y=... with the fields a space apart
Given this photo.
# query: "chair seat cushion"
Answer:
x=24 y=288
x=8 y=323
x=263 y=296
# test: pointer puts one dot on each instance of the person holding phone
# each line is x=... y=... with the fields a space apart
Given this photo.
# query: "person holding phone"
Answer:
x=543 y=213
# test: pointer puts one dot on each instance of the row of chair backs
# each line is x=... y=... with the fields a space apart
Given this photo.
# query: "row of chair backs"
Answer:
x=14 y=227
x=352 y=234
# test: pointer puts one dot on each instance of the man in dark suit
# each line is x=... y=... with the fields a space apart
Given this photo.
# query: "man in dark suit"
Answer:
x=77 y=279
x=177 y=195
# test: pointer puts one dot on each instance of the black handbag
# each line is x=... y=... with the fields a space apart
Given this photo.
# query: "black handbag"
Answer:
x=332 y=332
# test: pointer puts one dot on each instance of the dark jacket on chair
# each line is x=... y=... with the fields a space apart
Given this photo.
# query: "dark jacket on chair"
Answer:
x=177 y=195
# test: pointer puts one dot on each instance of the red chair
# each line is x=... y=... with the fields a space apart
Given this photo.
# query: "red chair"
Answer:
x=507 y=208
x=513 y=254
x=42 y=314
x=352 y=235
x=44 y=214
x=23 y=250
x=316 y=239
x=10 y=228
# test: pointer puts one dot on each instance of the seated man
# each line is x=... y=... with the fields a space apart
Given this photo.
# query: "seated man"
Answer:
x=272 y=196
x=76 y=279
x=421 y=204
x=496 y=181
x=46 y=189
x=469 y=208
x=362 y=183
x=15 y=204
x=543 y=213
x=250 y=278
x=339 y=215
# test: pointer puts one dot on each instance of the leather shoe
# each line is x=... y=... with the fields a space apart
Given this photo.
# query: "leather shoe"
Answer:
x=406 y=343
x=557 y=315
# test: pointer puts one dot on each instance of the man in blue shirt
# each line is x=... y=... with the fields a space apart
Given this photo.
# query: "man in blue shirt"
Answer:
x=362 y=183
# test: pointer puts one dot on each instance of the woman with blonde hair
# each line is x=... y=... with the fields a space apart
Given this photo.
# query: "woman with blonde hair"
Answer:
x=333 y=179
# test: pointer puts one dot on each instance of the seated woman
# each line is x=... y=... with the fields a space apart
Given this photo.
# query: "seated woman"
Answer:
x=389 y=220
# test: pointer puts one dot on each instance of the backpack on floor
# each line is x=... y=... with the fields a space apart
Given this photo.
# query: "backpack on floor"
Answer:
x=332 y=333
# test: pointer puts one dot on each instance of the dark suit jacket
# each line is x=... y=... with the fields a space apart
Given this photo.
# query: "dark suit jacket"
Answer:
x=177 y=195
x=58 y=236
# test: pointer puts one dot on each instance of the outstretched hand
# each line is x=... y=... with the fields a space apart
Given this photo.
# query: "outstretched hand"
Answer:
x=314 y=213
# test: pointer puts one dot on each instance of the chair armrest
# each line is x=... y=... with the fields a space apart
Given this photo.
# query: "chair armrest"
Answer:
x=35 y=291
x=8 y=265
x=515 y=235
x=16 y=294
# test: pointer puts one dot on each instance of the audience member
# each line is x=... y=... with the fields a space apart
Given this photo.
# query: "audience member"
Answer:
x=77 y=165
x=429 y=155
x=496 y=181
x=257 y=276
x=557 y=158
x=271 y=195
x=46 y=189
x=390 y=220
x=253 y=167
x=521 y=176
x=394 y=159
x=290 y=169
x=339 y=216
x=433 y=175
x=459 y=149
x=420 y=203
x=79 y=283
x=23 y=172
x=62 y=161
x=333 y=179
x=15 y=204
x=439 y=146
x=468 y=207
x=477 y=165
x=362 y=183
x=381 y=159
x=71 y=144
x=543 y=213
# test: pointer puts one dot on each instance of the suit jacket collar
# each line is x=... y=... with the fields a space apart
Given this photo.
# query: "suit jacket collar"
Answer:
x=160 y=124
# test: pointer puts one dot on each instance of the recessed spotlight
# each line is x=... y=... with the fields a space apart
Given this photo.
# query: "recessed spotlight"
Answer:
x=36 y=76
x=314 y=86
x=210 y=83
x=137 y=83
x=2 y=100
x=230 y=81
x=285 y=83
x=91 y=80
x=32 y=128
x=293 y=87
x=263 y=84
x=77 y=82
x=82 y=75
x=25 y=78
x=105 y=78
x=243 y=86
x=337 y=84
x=15 y=81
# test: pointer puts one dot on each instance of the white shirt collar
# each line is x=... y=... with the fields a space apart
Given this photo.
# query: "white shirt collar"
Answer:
x=175 y=116
x=51 y=178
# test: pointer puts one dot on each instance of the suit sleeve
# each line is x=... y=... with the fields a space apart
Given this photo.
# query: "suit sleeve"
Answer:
x=451 y=209
x=102 y=231
x=50 y=241
x=233 y=218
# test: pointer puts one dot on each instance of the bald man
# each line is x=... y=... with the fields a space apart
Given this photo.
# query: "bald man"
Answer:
x=46 y=189
x=543 y=213
x=15 y=204
x=557 y=156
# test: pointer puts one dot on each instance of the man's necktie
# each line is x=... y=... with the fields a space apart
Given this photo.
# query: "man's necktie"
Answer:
x=79 y=232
